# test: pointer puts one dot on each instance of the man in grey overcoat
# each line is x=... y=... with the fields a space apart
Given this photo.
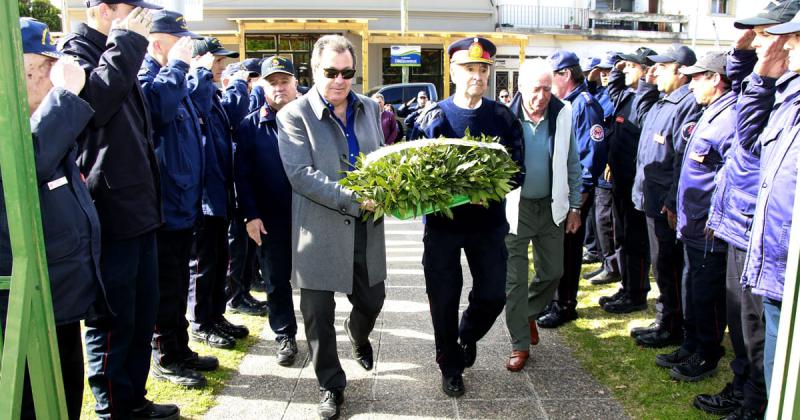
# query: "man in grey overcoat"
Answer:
x=333 y=249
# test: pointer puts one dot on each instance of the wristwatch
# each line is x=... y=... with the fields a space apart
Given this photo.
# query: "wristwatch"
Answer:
x=578 y=211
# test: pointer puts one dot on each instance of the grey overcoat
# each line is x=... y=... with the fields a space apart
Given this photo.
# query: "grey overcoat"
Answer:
x=314 y=151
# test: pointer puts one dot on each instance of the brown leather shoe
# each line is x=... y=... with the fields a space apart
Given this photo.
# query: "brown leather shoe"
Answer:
x=517 y=360
x=534 y=332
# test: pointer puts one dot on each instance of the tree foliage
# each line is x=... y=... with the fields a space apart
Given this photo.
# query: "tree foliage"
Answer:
x=42 y=11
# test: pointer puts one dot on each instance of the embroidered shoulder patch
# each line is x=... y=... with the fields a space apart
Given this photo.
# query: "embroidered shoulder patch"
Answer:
x=687 y=130
x=597 y=133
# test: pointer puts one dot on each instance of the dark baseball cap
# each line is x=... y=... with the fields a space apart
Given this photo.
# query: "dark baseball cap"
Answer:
x=775 y=12
x=786 y=28
x=253 y=65
x=213 y=46
x=562 y=59
x=609 y=60
x=714 y=61
x=276 y=64
x=677 y=53
x=36 y=38
x=230 y=69
x=172 y=23
x=641 y=56
x=135 y=3
x=589 y=63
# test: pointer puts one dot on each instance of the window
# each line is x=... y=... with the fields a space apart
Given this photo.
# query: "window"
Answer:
x=430 y=71
x=720 y=7
x=296 y=47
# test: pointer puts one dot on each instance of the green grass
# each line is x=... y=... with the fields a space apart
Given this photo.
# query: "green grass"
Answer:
x=195 y=402
x=602 y=343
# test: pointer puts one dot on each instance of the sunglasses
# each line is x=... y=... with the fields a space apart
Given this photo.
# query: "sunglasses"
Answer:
x=504 y=96
x=332 y=73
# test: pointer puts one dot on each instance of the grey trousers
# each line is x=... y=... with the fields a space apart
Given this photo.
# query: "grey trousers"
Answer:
x=524 y=300
x=319 y=315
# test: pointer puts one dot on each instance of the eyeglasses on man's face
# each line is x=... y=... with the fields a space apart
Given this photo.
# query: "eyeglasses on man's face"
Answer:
x=332 y=73
x=504 y=96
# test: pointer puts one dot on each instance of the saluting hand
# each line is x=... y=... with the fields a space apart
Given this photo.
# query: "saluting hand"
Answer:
x=182 y=50
x=745 y=41
x=594 y=75
x=205 y=61
x=255 y=228
x=775 y=60
x=139 y=20
x=66 y=73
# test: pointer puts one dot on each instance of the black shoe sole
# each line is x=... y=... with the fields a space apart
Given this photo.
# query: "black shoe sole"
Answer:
x=667 y=365
x=681 y=377
x=658 y=344
x=451 y=393
x=714 y=411
x=188 y=384
x=287 y=362
x=228 y=345
x=605 y=281
x=233 y=310
x=353 y=346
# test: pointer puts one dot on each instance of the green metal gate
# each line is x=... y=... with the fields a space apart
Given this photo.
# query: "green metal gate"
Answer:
x=30 y=334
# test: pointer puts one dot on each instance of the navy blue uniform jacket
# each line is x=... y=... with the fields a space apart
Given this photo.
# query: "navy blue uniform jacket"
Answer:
x=116 y=154
x=263 y=189
x=69 y=220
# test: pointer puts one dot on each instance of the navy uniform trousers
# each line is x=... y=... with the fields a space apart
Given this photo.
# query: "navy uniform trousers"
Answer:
x=171 y=336
x=486 y=255
x=634 y=255
x=208 y=273
x=276 y=252
x=666 y=255
x=704 y=302
x=566 y=296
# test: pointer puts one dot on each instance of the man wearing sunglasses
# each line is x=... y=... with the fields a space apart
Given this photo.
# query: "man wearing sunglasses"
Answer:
x=479 y=230
x=333 y=248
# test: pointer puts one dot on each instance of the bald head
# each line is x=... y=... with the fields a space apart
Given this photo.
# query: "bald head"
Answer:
x=535 y=84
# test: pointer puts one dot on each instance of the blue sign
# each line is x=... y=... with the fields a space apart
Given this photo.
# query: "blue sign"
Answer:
x=405 y=56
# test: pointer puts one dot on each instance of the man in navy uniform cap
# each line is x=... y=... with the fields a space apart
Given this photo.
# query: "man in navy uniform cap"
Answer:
x=667 y=113
x=569 y=85
x=731 y=216
x=479 y=230
x=121 y=171
x=265 y=200
x=69 y=221
x=206 y=302
x=178 y=142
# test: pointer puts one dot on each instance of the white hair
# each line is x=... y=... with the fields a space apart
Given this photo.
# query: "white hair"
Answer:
x=532 y=70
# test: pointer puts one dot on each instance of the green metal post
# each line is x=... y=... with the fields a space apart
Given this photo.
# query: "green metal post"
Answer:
x=784 y=400
x=30 y=334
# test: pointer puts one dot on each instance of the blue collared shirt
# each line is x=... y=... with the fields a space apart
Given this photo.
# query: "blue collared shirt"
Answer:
x=348 y=129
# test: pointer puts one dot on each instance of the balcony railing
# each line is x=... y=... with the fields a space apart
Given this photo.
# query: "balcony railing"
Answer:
x=526 y=16
x=534 y=17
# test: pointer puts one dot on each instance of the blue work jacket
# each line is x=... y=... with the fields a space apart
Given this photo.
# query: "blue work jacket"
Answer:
x=705 y=153
x=263 y=190
x=622 y=132
x=218 y=150
x=667 y=122
x=765 y=266
x=236 y=102
x=69 y=219
x=587 y=120
x=734 y=200
x=257 y=99
x=177 y=138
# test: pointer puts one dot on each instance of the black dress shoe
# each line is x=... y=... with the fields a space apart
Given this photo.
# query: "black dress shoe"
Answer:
x=637 y=331
x=361 y=352
x=694 y=369
x=258 y=285
x=745 y=414
x=605 y=300
x=153 y=411
x=625 y=305
x=233 y=330
x=604 y=277
x=674 y=358
x=556 y=318
x=178 y=374
x=590 y=258
x=213 y=337
x=287 y=351
x=470 y=352
x=590 y=274
x=254 y=302
x=723 y=403
x=201 y=363
x=453 y=386
x=330 y=404
x=658 y=339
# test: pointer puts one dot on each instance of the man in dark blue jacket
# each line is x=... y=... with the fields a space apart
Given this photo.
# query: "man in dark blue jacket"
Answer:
x=121 y=171
x=69 y=220
x=209 y=267
x=265 y=200
x=570 y=86
x=623 y=142
x=704 y=280
x=667 y=122
x=179 y=148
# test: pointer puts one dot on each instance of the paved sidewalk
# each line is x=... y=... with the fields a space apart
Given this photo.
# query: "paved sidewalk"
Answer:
x=405 y=382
